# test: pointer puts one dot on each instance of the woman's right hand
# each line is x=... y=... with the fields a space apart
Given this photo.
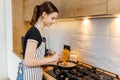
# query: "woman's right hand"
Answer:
x=55 y=57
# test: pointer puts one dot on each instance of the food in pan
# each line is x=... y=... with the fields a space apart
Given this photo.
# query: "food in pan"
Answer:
x=67 y=64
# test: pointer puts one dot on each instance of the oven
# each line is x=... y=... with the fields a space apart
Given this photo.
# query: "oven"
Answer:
x=82 y=71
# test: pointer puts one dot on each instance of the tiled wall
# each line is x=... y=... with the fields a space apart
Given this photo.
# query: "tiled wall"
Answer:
x=96 y=40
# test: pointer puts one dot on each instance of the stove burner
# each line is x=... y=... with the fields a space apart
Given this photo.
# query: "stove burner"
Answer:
x=84 y=72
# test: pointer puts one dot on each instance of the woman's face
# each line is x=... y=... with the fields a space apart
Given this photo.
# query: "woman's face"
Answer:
x=50 y=19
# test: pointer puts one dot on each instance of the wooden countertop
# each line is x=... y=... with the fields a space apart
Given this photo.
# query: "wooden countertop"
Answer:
x=46 y=75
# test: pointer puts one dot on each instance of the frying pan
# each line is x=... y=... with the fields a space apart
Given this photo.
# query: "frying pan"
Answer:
x=70 y=65
x=60 y=65
x=59 y=69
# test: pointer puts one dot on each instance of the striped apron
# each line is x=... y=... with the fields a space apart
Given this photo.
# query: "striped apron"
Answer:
x=35 y=73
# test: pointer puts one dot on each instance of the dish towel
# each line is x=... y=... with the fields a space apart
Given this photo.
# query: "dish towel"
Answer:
x=20 y=71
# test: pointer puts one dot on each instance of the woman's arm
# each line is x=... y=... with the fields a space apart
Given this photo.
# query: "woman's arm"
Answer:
x=29 y=56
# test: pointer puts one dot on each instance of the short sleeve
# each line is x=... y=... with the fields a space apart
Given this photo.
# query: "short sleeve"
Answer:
x=34 y=35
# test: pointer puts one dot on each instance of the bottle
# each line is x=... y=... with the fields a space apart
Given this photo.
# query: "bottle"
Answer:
x=65 y=54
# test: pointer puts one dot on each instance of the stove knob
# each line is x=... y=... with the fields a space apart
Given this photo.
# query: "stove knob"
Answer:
x=101 y=77
x=66 y=78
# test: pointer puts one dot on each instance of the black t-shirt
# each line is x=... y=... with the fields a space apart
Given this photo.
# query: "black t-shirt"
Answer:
x=34 y=34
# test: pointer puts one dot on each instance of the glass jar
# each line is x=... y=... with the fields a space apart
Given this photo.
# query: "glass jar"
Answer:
x=65 y=54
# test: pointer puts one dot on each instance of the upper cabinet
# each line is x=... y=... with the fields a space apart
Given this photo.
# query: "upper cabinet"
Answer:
x=113 y=6
x=29 y=5
x=75 y=8
x=71 y=8
x=91 y=7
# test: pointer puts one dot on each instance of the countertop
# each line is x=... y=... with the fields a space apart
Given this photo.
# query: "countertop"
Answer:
x=46 y=75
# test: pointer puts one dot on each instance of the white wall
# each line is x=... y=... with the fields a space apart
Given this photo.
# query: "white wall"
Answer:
x=12 y=60
x=98 y=42
x=58 y=35
x=3 y=53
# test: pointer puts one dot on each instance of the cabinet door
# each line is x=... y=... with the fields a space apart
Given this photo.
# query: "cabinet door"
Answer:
x=91 y=7
x=68 y=8
x=18 y=25
x=113 y=6
x=73 y=8
x=30 y=4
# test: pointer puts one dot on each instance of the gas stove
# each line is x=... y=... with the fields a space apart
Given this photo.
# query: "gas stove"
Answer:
x=83 y=71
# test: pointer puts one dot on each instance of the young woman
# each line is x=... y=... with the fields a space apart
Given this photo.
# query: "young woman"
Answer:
x=34 y=50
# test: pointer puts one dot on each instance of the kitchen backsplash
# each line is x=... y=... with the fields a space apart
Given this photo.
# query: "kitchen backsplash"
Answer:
x=97 y=41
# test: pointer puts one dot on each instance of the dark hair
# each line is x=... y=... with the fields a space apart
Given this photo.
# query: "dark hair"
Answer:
x=47 y=7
